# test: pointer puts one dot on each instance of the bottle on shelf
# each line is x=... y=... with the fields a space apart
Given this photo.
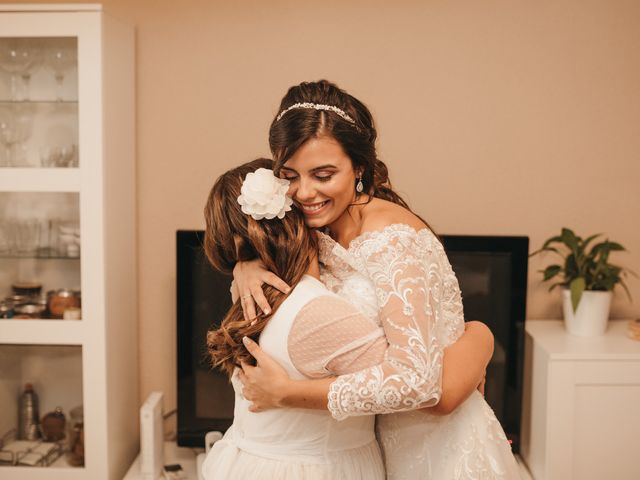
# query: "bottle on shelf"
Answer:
x=28 y=415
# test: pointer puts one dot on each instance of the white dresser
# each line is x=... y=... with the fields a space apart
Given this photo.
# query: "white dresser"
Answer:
x=581 y=404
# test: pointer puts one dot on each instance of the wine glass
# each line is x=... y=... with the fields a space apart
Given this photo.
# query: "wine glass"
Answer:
x=15 y=129
x=6 y=236
x=61 y=58
x=15 y=60
x=8 y=136
x=32 y=48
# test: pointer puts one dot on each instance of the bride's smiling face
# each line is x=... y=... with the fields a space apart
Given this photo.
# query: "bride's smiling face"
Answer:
x=322 y=181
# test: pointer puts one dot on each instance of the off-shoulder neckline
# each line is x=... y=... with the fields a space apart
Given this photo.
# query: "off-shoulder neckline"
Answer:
x=371 y=234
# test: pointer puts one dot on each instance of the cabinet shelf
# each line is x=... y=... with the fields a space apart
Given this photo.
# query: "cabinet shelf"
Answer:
x=38 y=103
x=38 y=256
x=49 y=473
x=39 y=179
x=60 y=469
x=42 y=332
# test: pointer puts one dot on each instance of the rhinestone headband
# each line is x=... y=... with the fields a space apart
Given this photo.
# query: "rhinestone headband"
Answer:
x=316 y=106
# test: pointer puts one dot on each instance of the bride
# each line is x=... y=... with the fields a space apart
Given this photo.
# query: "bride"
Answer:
x=389 y=264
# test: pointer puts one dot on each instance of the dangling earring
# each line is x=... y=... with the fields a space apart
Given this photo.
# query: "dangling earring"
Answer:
x=359 y=185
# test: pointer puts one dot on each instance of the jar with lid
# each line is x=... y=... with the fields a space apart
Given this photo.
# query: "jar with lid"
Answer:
x=75 y=437
x=28 y=289
x=62 y=299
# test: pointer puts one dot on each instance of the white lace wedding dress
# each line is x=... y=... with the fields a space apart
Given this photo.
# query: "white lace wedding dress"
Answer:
x=402 y=279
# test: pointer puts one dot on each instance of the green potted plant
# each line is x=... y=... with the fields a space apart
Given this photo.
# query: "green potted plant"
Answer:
x=587 y=278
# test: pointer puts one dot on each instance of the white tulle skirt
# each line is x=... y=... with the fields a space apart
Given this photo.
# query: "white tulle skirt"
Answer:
x=225 y=461
x=468 y=444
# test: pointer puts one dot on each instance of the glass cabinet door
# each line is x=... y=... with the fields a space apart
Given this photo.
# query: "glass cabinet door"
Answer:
x=40 y=249
x=39 y=102
x=40 y=242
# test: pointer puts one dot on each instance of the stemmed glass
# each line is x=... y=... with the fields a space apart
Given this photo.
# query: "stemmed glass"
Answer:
x=32 y=48
x=15 y=129
x=15 y=60
x=61 y=58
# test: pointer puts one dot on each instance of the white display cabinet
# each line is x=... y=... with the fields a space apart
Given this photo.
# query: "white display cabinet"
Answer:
x=67 y=223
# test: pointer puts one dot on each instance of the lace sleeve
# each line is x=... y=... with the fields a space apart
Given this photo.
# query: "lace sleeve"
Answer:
x=407 y=272
x=330 y=337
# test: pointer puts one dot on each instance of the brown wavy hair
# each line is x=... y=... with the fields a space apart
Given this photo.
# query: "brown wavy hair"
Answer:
x=357 y=139
x=284 y=246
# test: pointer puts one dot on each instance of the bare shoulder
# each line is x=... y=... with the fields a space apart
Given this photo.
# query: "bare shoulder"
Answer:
x=382 y=213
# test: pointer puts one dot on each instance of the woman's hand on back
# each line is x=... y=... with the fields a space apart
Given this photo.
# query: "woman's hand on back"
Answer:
x=266 y=383
x=248 y=278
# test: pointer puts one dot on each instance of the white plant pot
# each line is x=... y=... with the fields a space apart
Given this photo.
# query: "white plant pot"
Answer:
x=591 y=317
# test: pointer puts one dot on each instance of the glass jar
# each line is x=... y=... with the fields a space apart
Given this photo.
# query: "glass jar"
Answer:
x=60 y=300
x=75 y=437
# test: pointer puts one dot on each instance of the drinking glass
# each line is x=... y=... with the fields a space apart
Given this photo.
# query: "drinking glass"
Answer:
x=32 y=48
x=15 y=59
x=8 y=137
x=15 y=129
x=27 y=236
x=6 y=237
x=61 y=58
x=58 y=156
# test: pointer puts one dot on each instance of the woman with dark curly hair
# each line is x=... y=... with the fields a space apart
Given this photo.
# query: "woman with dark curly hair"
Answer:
x=383 y=258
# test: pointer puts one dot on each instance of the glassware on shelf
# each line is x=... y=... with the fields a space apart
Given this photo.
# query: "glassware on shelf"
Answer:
x=6 y=237
x=59 y=156
x=61 y=58
x=8 y=137
x=16 y=59
x=33 y=48
x=69 y=239
x=39 y=238
x=15 y=130
x=27 y=237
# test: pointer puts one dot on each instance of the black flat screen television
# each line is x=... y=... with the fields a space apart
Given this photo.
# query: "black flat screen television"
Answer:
x=492 y=271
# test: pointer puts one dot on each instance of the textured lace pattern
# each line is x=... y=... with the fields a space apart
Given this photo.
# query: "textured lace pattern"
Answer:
x=407 y=270
x=340 y=274
x=469 y=443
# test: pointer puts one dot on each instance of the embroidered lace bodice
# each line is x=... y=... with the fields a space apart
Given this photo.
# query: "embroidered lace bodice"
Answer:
x=402 y=278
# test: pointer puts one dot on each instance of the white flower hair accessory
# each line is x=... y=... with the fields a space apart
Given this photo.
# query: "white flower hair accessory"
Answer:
x=263 y=195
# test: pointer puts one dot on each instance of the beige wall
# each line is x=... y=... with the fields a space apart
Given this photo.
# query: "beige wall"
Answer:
x=495 y=117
